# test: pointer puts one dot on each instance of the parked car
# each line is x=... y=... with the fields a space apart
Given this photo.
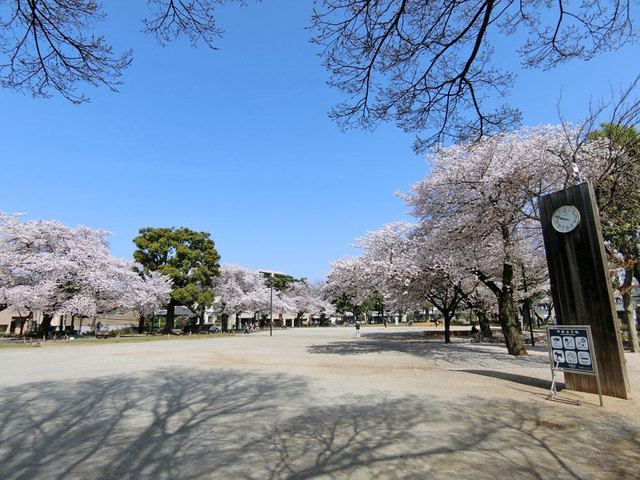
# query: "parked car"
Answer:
x=215 y=329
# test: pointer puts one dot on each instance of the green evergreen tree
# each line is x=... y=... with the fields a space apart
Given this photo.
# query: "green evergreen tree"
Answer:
x=618 y=195
x=189 y=258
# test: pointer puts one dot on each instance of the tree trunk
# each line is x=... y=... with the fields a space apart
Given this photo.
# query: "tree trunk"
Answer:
x=45 y=325
x=141 y=324
x=485 y=325
x=224 y=318
x=629 y=312
x=171 y=312
x=526 y=318
x=507 y=314
x=447 y=326
x=506 y=310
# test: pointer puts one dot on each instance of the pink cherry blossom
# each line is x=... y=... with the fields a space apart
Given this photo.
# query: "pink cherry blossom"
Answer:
x=49 y=267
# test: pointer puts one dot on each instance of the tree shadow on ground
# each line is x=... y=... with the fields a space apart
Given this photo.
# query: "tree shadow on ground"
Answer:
x=209 y=424
x=521 y=379
x=414 y=344
x=474 y=438
x=163 y=424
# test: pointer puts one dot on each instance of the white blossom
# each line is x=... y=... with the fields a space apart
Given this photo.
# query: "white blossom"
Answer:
x=47 y=266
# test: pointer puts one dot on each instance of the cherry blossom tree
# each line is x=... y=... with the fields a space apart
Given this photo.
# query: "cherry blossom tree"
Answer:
x=395 y=265
x=440 y=289
x=238 y=290
x=322 y=300
x=350 y=276
x=477 y=222
x=368 y=274
x=433 y=279
x=435 y=275
x=147 y=293
x=390 y=255
x=306 y=297
x=482 y=303
x=49 y=267
x=352 y=284
x=480 y=200
x=279 y=305
x=408 y=269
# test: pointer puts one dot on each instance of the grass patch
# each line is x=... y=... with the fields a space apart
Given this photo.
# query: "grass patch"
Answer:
x=16 y=345
x=92 y=340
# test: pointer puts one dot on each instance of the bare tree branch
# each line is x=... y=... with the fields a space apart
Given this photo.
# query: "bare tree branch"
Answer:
x=428 y=65
x=193 y=18
x=48 y=46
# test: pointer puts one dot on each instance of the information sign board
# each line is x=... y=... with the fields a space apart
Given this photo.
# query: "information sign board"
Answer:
x=570 y=348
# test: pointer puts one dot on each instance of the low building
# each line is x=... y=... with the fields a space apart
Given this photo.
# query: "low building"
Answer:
x=14 y=321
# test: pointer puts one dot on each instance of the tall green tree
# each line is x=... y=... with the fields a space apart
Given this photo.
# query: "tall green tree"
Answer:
x=280 y=281
x=618 y=195
x=189 y=258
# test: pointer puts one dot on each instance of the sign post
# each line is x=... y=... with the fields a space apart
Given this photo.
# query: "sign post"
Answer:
x=571 y=350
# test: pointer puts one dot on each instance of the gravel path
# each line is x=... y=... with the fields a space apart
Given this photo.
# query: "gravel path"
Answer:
x=304 y=403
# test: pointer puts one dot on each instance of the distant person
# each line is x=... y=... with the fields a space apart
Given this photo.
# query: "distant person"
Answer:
x=357 y=329
x=473 y=329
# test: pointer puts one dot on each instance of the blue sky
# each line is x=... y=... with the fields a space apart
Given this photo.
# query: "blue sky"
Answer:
x=237 y=142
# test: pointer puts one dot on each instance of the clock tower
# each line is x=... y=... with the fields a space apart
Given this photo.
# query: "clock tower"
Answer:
x=580 y=283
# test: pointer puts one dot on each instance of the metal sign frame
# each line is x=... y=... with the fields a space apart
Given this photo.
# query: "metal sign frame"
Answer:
x=571 y=349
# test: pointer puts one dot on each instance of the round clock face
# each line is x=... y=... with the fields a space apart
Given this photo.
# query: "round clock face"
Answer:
x=565 y=218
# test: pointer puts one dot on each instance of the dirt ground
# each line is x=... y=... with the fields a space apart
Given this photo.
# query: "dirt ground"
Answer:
x=312 y=403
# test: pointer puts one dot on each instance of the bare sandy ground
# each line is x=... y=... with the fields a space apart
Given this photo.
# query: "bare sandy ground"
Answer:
x=304 y=403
